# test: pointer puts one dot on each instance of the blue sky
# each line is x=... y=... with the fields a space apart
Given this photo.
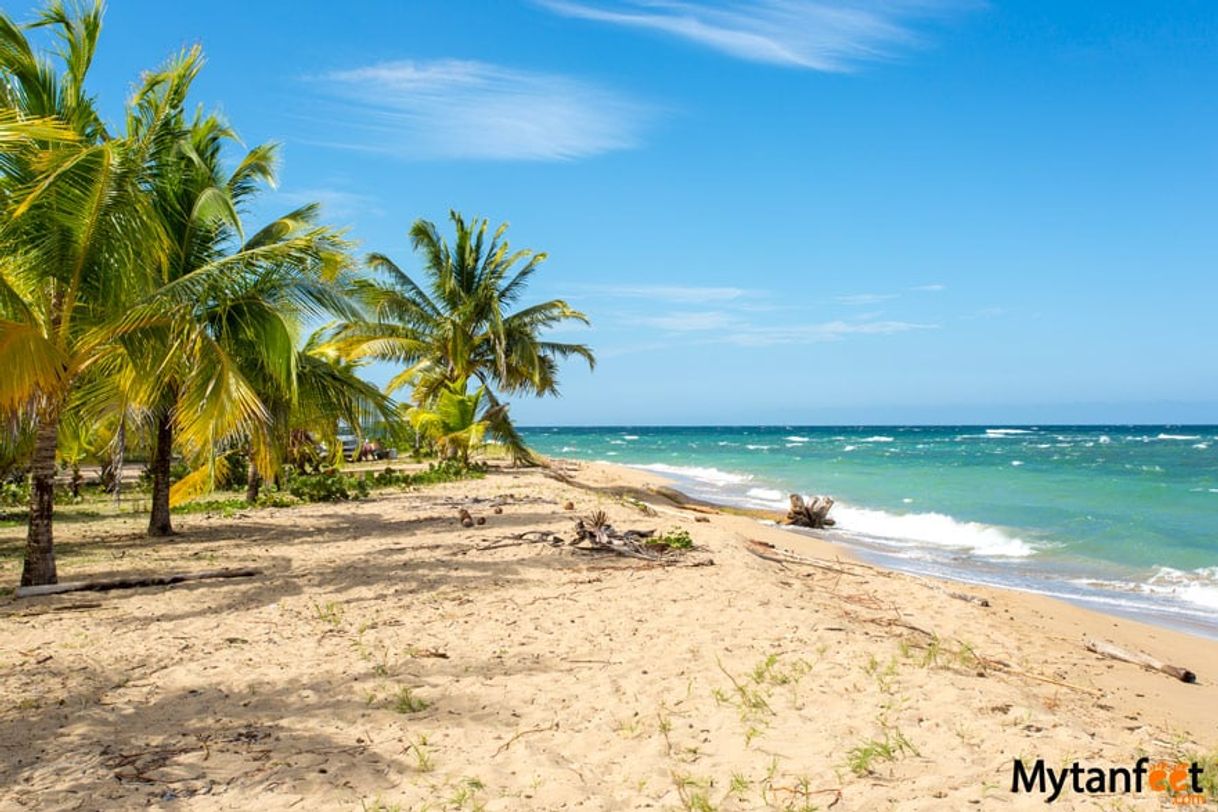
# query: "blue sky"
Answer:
x=773 y=211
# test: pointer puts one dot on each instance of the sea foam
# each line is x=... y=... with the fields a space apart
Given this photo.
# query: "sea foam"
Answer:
x=934 y=529
x=712 y=476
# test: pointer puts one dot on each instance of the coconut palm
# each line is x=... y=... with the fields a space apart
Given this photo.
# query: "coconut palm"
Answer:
x=460 y=324
x=452 y=422
x=326 y=391
x=77 y=234
x=238 y=303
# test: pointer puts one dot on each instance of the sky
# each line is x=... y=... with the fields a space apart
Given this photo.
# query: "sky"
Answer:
x=773 y=212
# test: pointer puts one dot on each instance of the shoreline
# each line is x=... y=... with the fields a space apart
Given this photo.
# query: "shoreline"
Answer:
x=389 y=655
x=1086 y=588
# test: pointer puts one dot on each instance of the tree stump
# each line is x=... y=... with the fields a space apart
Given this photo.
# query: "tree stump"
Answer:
x=813 y=514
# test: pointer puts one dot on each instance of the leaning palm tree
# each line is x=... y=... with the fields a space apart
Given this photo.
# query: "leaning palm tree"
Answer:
x=460 y=325
x=77 y=234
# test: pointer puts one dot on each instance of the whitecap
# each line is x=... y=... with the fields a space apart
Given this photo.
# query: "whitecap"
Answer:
x=879 y=438
x=934 y=529
x=630 y=436
x=849 y=448
x=1178 y=437
x=795 y=438
x=1198 y=587
x=1202 y=446
x=759 y=447
x=766 y=494
x=1016 y=462
x=1005 y=432
x=713 y=476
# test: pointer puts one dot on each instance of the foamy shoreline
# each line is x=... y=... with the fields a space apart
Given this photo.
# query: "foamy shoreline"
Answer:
x=926 y=544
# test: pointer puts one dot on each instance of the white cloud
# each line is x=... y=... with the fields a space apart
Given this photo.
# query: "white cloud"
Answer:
x=467 y=109
x=672 y=293
x=757 y=336
x=335 y=203
x=689 y=322
x=824 y=35
x=929 y=288
x=865 y=298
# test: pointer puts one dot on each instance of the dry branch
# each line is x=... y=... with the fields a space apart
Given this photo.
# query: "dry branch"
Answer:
x=130 y=583
x=1114 y=652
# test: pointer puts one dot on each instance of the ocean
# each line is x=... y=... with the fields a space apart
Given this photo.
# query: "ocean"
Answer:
x=1123 y=519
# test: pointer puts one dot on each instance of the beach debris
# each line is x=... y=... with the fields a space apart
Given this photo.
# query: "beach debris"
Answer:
x=498 y=510
x=595 y=533
x=1112 y=651
x=768 y=552
x=568 y=506
x=130 y=583
x=466 y=519
x=813 y=513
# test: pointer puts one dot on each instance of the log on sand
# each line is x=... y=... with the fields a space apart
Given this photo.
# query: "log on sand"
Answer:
x=1115 y=652
x=130 y=583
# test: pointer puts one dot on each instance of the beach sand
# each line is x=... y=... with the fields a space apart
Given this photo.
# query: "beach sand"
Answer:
x=384 y=661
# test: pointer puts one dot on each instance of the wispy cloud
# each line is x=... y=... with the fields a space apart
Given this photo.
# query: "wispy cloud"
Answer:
x=929 y=288
x=335 y=203
x=824 y=35
x=467 y=109
x=764 y=336
x=689 y=322
x=733 y=328
x=681 y=294
x=865 y=298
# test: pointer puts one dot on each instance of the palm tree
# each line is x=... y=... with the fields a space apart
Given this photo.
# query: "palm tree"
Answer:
x=77 y=234
x=460 y=325
x=452 y=423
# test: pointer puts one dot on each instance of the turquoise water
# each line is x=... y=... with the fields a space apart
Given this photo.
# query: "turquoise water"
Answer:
x=1121 y=518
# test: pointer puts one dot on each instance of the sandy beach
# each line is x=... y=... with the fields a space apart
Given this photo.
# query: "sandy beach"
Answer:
x=389 y=658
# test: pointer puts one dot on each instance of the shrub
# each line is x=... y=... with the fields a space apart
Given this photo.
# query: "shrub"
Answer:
x=675 y=539
x=14 y=494
x=328 y=486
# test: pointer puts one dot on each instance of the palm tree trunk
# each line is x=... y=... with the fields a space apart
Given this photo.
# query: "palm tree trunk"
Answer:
x=253 y=484
x=39 y=566
x=160 y=523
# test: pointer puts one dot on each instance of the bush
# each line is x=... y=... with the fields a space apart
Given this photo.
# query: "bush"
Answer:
x=675 y=539
x=14 y=494
x=331 y=485
x=448 y=471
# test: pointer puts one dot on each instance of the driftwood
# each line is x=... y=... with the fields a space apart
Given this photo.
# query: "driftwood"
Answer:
x=596 y=534
x=1115 y=652
x=814 y=513
x=130 y=583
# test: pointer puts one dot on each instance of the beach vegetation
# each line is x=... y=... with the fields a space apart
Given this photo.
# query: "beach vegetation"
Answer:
x=861 y=758
x=330 y=612
x=423 y=760
x=675 y=539
x=405 y=701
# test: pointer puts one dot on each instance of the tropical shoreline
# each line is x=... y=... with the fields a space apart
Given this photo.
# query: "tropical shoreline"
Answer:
x=388 y=655
x=1117 y=523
